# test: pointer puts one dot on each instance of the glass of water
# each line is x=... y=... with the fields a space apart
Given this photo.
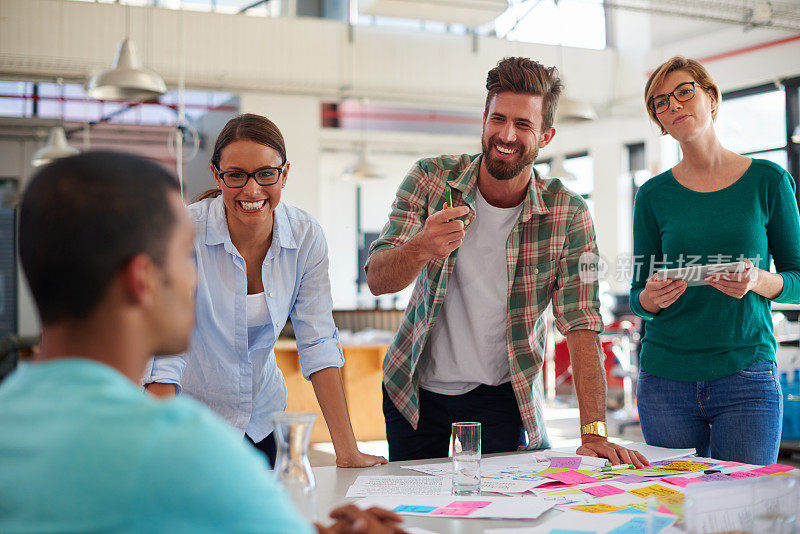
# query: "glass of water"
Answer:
x=466 y=445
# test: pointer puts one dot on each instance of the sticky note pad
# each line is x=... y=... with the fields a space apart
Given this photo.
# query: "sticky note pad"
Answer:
x=453 y=511
x=571 y=478
x=603 y=491
x=599 y=508
x=570 y=462
x=655 y=489
x=414 y=509
x=631 y=479
x=469 y=504
x=629 y=510
x=774 y=468
x=639 y=524
x=685 y=466
x=681 y=481
x=745 y=474
x=714 y=477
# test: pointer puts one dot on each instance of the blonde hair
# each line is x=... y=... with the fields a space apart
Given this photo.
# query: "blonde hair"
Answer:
x=693 y=67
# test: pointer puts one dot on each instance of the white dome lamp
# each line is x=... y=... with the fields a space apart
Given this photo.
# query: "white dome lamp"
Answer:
x=55 y=148
x=127 y=79
x=363 y=168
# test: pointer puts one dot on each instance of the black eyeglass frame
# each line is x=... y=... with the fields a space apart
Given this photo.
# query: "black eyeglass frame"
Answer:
x=652 y=102
x=251 y=175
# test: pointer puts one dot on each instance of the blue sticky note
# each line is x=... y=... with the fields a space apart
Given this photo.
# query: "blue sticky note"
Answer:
x=628 y=511
x=638 y=525
x=415 y=509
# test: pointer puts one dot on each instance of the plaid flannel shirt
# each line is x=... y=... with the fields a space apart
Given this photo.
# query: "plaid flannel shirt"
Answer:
x=543 y=254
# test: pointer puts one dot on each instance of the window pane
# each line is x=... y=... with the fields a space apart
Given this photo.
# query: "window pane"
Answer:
x=755 y=122
x=579 y=23
x=776 y=156
x=582 y=168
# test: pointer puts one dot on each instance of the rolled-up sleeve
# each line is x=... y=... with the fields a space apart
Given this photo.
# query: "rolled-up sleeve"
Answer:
x=317 y=337
x=408 y=213
x=576 y=304
x=165 y=370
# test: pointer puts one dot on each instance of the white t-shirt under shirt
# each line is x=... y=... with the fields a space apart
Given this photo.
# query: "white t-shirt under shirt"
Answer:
x=467 y=345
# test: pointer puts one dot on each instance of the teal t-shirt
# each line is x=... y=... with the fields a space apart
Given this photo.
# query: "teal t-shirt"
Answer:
x=706 y=334
x=82 y=449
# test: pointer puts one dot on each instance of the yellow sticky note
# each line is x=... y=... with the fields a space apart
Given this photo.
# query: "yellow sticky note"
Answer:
x=597 y=508
x=655 y=489
x=685 y=466
x=676 y=498
x=638 y=505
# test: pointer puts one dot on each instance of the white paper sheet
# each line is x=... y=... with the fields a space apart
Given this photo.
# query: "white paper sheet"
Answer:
x=498 y=507
x=652 y=453
x=366 y=486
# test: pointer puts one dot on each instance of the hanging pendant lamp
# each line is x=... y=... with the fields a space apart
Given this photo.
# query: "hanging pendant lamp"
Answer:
x=363 y=168
x=126 y=79
x=55 y=148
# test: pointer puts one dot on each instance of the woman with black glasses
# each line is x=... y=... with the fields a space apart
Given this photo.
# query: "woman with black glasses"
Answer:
x=708 y=374
x=259 y=261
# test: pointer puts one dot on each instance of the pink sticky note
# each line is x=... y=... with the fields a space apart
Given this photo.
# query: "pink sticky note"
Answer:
x=603 y=491
x=571 y=478
x=631 y=479
x=468 y=504
x=569 y=462
x=773 y=468
x=680 y=481
x=665 y=510
x=453 y=511
x=744 y=474
x=730 y=463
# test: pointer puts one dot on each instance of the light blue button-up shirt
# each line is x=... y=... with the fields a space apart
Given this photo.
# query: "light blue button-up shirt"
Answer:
x=237 y=378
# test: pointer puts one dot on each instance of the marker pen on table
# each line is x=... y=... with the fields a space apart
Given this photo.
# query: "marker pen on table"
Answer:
x=616 y=467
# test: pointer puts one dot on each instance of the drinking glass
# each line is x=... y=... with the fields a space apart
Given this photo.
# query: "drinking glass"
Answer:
x=466 y=444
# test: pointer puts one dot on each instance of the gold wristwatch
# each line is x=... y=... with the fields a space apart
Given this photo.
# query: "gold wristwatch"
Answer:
x=597 y=428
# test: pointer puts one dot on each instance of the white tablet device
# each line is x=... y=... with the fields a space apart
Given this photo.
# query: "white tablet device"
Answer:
x=695 y=274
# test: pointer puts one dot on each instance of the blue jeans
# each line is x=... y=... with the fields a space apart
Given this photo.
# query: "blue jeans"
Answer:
x=736 y=417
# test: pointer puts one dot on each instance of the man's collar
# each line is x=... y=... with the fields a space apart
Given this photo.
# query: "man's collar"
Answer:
x=533 y=204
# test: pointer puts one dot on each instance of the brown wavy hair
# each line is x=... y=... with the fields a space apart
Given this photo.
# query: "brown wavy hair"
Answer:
x=526 y=76
x=245 y=127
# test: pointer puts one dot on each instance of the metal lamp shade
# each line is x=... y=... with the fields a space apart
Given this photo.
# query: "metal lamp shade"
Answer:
x=126 y=79
x=363 y=168
x=55 y=148
x=571 y=110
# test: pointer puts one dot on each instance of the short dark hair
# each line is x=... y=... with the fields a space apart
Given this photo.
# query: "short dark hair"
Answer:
x=526 y=76
x=84 y=217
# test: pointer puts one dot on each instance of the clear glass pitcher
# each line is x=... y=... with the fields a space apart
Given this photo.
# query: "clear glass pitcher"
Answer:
x=292 y=468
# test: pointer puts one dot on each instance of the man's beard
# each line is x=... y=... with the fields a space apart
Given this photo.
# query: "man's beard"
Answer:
x=506 y=170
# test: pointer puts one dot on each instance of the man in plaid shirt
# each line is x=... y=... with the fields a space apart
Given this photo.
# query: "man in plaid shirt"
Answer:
x=471 y=344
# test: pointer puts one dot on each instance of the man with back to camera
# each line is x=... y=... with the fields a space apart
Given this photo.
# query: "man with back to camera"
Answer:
x=106 y=245
x=471 y=344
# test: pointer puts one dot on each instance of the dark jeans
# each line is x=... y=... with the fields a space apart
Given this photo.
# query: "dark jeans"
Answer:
x=736 y=417
x=494 y=407
x=266 y=446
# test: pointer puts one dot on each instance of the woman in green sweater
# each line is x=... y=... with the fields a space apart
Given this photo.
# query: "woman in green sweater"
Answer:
x=708 y=374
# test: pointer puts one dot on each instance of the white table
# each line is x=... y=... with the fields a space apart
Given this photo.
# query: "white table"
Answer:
x=333 y=482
